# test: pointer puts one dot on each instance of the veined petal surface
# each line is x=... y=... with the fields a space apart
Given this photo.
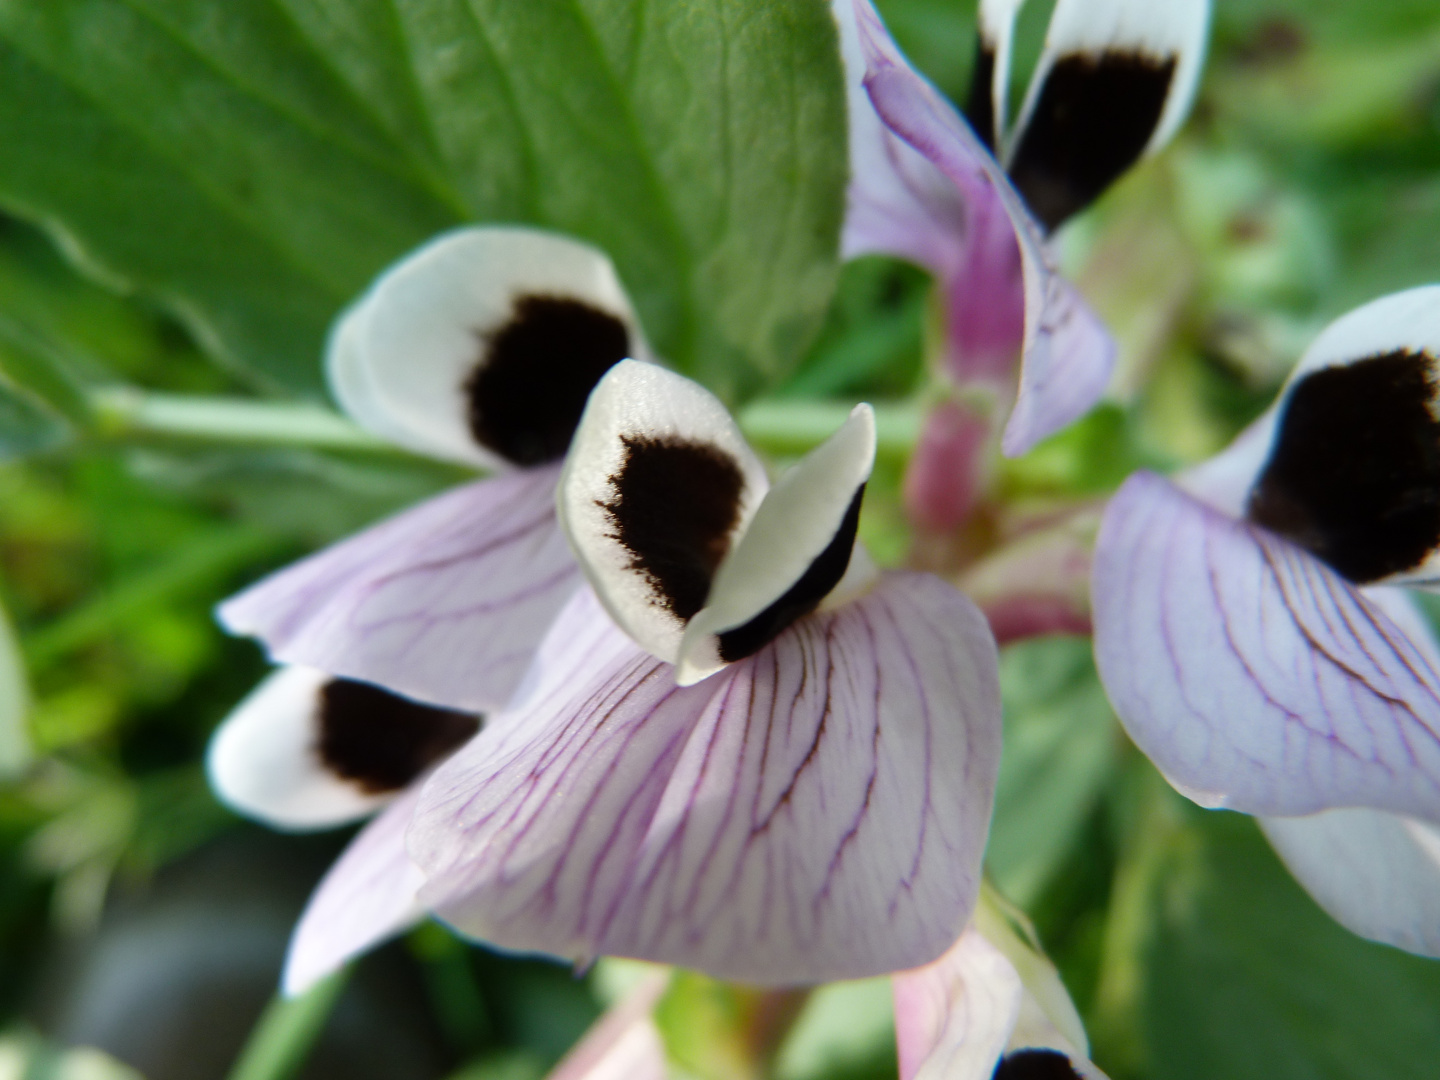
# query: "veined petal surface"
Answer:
x=365 y=898
x=445 y=602
x=1253 y=675
x=1066 y=353
x=1376 y=874
x=541 y=313
x=816 y=811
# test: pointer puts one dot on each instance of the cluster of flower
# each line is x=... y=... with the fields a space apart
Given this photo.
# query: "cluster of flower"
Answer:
x=639 y=700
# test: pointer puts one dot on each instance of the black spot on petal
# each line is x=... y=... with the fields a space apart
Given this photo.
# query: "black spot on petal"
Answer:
x=1354 y=475
x=980 y=101
x=822 y=575
x=536 y=373
x=1035 y=1065
x=380 y=741
x=676 y=503
x=1093 y=118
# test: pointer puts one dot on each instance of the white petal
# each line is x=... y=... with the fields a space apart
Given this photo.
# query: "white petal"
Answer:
x=1066 y=354
x=996 y=25
x=957 y=1017
x=445 y=602
x=305 y=750
x=953 y=1017
x=1408 y=320
x=366 y=897
x=1399 y=321
x=1111 y=55
x=815 y=812
x=659 y=463
x=1253 y=675
x=263 y=762
x=1376 y=874
x=802 y=516
x=625 y=1043
x=400 y=358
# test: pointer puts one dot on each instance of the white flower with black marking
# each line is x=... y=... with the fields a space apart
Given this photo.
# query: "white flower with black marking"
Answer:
x=1251 y=634
x=973 y=205
x=305 y=751
x=992 y=1008
x=481 y=348
x=744 y=751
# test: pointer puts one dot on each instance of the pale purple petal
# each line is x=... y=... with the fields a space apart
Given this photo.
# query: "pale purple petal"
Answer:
x=365 y=898
x=1067 y=354
x=444 y=602
x=1253 y=675
x=625 y=1043
x=816 y=811
x=1377 y=874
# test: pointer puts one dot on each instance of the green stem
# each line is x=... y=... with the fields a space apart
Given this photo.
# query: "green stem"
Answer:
x=286 y=1031
x=783 y=426
x=777 y=425
x=122 y=412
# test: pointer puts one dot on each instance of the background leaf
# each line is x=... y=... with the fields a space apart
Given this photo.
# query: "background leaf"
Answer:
x=252 y=165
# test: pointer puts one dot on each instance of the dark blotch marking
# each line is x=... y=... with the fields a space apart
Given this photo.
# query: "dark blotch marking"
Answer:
x=1354 y=475
x=1035 y=1065
x=980 y=101
x=676 y=503
x=380 y=741
x=803 y=597
x=1093 y=118
x=536 y=373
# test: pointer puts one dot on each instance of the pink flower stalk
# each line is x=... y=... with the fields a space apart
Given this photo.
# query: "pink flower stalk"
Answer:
x=973 y=202
x=1256 y=630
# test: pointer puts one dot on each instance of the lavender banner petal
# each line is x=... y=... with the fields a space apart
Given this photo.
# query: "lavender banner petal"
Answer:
x=1376 y=874
x=444 y=602
x=366 y=897
x=1067 y=353
x=1254 y=676
x=817 y=811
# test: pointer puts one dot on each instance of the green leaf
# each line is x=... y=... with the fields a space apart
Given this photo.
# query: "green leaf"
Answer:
x=1247 y=979
x=252 y=165
x=1060 y=753
x=15 y=750
x=27 y=425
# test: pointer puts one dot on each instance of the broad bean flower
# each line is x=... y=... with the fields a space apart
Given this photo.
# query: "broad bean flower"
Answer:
x=1257 y=633
x=973 y=202
x=741 y=750
x=479 y=348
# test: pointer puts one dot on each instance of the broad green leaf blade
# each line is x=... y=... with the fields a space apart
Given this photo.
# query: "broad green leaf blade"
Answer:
x=253 y=164
x=1247 y=979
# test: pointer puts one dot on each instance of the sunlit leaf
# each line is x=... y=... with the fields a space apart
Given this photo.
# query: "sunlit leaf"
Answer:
x=252 y=164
